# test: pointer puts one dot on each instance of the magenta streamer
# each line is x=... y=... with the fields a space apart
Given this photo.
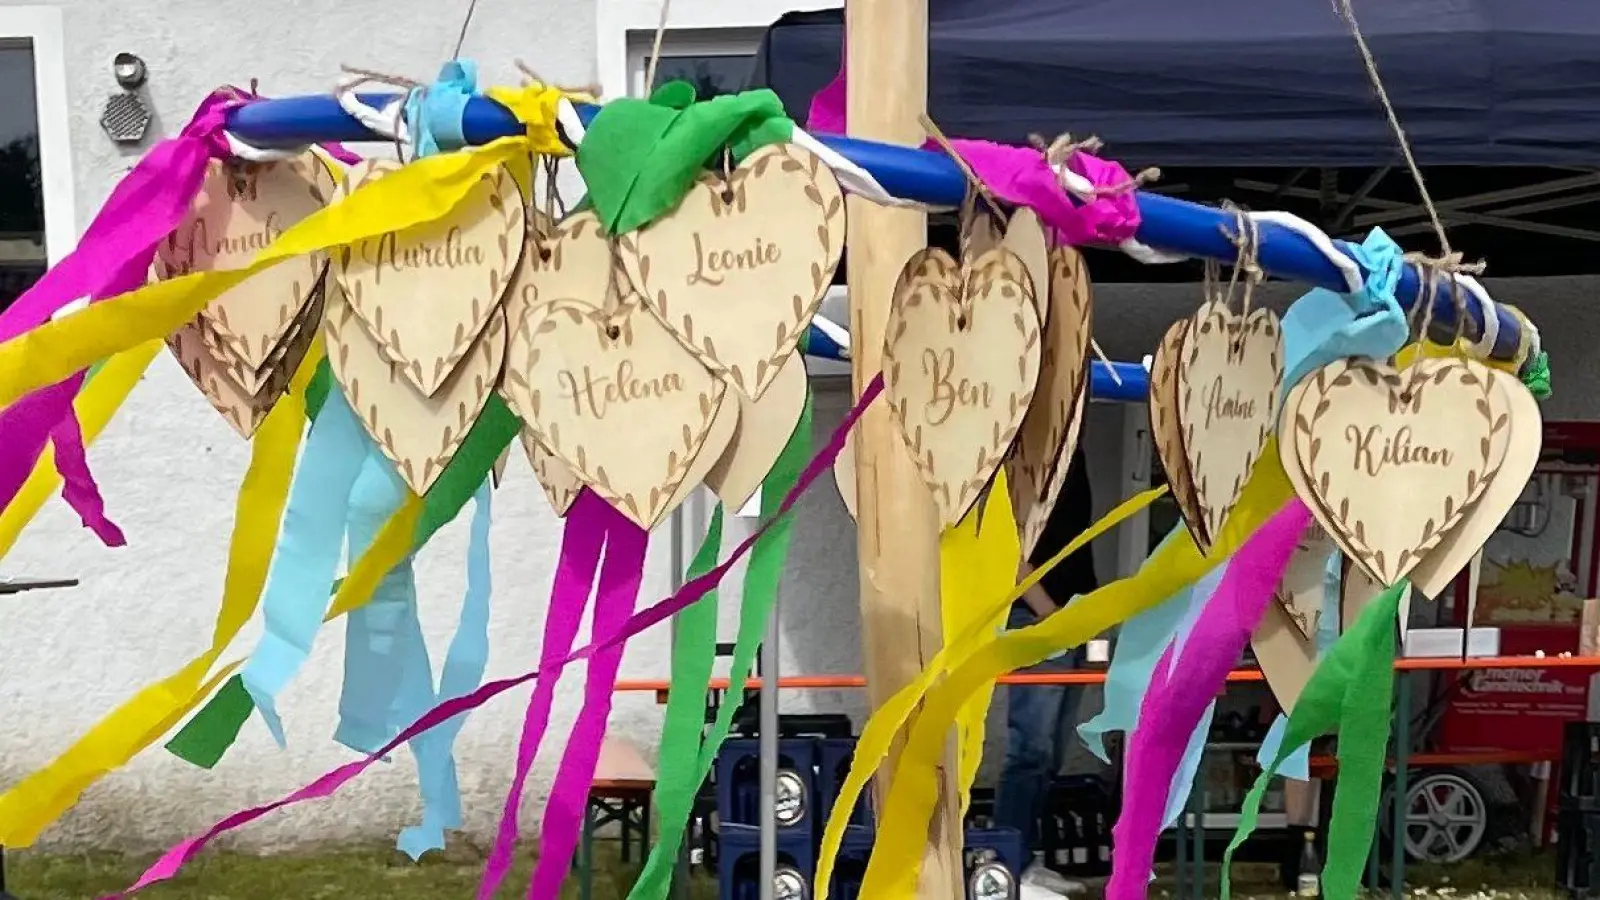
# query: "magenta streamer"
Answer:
x=1178 y=695
x=581 y=542
x=174 y=859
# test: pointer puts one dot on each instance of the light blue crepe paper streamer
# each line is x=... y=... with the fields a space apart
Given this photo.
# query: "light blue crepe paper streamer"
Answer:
x=375 y=658
x=307 y=556
x=464 y=666
x=1321 y=327
x=1183 y=777
x=433 y=113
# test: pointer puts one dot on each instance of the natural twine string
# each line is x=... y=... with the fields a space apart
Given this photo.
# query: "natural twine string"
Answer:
x=466 y=22
x=655 y=48
x=1058 y=151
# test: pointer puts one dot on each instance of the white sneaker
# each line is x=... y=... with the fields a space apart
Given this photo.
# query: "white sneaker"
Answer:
x=1041 y=876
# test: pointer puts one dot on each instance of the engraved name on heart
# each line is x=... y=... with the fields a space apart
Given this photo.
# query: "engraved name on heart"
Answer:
x=961 y=363
x=426 y=293
x=242 y=208
x=1394 y=460
x=637 y=417
x=1228 y=381
x=419 y=432
x=1167 y=434
x=737 y=271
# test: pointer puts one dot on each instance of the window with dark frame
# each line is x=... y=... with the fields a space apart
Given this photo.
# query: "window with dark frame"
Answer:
x=22 y=240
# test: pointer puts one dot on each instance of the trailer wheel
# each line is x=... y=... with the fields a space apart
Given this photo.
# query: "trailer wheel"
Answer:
x=1446 y=816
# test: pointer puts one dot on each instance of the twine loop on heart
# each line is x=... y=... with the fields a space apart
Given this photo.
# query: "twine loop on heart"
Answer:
x=1247 y=271
x=554 y=208
x=1058 y=151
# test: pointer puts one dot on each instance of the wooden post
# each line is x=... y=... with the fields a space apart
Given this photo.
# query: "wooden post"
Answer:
x=898 y=541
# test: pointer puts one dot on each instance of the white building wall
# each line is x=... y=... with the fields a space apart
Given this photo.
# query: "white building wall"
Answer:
x=169 y=467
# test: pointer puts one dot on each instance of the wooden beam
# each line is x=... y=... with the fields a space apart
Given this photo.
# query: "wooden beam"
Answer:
x=898 y=541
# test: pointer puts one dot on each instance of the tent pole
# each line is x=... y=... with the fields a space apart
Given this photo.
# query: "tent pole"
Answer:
x=897 y=535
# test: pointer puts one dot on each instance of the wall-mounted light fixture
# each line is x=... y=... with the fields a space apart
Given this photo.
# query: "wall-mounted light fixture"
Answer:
x=126 y=118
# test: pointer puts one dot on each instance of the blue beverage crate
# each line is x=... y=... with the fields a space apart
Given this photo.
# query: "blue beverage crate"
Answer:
x=739 y=860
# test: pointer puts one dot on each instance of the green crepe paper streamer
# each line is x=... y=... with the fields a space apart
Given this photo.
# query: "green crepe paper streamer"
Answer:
x=210 y=732
x=1359 y=663
x=640 y=157
x=317 y=389
x=1536 y=376
x=682 y=775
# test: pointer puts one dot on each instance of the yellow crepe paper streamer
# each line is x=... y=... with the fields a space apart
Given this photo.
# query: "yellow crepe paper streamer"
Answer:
x=885 y=724
x=43 y=797
x=978 y=558
x=1430 y=350
x=95 y=405
x=902 y=832
x=421 y=192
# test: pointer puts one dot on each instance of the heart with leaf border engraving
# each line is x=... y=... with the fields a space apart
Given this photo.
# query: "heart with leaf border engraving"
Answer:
x=419 y=432
x=1393 y=460
x=1050 y=430
x=1167 y=435
x=765 y=429
x=426 y=293
x=561 y=486
x=638 y=419
x=737 y=271
x=572 y=258
x=212 y=371
x=241 y=209
x=1229 y=374
x=961 y=363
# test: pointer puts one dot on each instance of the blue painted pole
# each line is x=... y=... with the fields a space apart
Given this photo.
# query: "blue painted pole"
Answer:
x=1169 y=224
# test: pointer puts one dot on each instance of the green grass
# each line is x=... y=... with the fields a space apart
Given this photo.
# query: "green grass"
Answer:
x=343 y=875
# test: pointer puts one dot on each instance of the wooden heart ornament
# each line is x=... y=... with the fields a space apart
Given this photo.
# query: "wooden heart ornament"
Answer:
x=1228 y=380
x=419 y=432
x=1050 y=429
x=961 y=362
x=572 y=258
x=240 y=210
x=560 y=484
x=426 y=293
x=636 y=416
x=1167 y=434
x=1393 y=460
x=765 y=428
x=738 y=270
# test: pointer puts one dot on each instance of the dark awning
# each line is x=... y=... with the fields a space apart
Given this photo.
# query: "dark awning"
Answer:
x=1247 y=82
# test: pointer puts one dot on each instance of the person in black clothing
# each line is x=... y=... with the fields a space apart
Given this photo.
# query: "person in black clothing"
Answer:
x=1039 y=718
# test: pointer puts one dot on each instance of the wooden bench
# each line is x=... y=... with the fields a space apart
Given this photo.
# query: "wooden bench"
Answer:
x=620 y=794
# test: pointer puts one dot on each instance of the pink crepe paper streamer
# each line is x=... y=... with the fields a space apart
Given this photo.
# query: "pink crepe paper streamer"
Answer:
x=582 y=539
x=1021 y=176
x=112 y=258
x=1177 y=697
x=174 y=859
x=620 y=578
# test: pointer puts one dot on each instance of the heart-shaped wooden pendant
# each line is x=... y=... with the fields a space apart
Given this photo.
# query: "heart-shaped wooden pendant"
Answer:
x=1032 y=512
x=426 y=293
x=961 y=363
x=240 y=210
x=738 y=270
x=1285 y=643
x=765 y=427
x=636 y=416
x=1167 y=434
x=419 y=432
x=560 y=484
x=844 y=474
x=572 y=258
x=1050 y=429
x=1392 y=461
x=212 y=373
x=1228 y=382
